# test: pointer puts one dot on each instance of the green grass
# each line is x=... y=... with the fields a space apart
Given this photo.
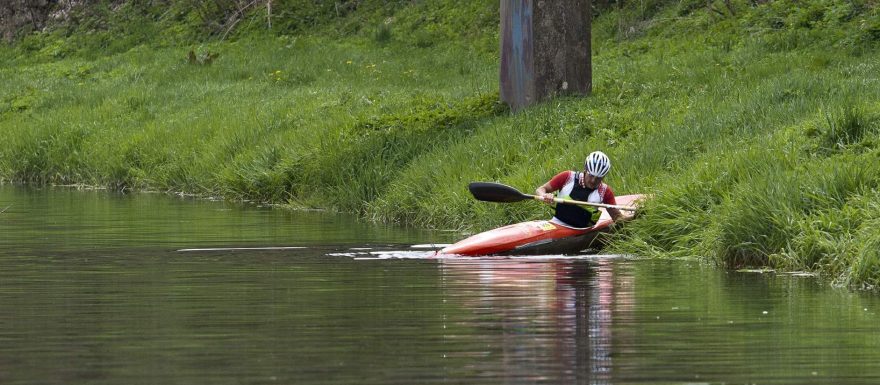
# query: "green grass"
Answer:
x=248 y=126
x=756 y=131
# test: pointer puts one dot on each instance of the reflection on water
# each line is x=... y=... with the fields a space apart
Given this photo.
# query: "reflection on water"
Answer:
x=611 y=320
x=556 y=317
x=93 y=290
x=98 y=221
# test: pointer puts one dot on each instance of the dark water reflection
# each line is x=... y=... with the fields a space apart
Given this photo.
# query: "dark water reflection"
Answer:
x=94 y=291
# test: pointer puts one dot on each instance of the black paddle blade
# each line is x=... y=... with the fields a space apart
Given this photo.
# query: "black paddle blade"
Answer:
x=496 y=192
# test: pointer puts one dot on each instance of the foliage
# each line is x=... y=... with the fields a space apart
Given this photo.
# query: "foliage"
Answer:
x=95 y=28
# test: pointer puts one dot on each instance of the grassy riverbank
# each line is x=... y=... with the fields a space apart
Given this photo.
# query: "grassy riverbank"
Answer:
x=755 y=127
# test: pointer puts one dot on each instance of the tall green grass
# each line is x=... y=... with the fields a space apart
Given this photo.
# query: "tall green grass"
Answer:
x=266 y=115
x=755 y=131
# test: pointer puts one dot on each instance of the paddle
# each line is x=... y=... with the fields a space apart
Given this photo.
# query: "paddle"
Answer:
x=497 y=192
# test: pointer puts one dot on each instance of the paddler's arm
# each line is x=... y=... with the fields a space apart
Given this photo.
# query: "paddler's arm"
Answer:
x=616 y=215
x=545 y=192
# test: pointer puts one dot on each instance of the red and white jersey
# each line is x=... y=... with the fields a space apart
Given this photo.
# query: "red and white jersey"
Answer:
x=564 y=183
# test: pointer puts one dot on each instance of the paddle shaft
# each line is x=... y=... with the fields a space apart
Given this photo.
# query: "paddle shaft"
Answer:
x=497 y=192
x=582 y=203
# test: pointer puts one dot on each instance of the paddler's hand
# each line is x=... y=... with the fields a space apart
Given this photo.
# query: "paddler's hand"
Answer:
x=544 y=192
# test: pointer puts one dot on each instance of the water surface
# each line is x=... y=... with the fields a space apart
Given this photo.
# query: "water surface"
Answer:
x=93 y=290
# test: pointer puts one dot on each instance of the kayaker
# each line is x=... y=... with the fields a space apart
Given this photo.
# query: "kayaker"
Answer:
x=581 y=186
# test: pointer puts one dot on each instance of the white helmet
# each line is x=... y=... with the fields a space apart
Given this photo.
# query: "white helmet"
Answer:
x=597 y=164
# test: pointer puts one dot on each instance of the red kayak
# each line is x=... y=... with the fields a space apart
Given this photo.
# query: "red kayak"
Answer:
x=539 y=237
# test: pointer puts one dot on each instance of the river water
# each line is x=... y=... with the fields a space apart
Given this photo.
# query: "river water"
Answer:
x=94 y=289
